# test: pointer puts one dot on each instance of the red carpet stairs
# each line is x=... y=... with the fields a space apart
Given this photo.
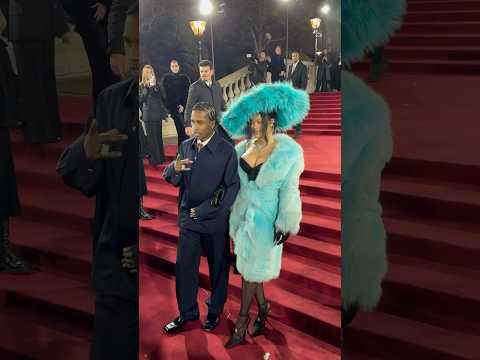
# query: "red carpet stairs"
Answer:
x=305 y=299
x=437 y=36
x=49 y=315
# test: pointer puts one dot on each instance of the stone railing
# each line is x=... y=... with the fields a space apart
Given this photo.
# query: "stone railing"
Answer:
x=235 y=84
x=238 y=82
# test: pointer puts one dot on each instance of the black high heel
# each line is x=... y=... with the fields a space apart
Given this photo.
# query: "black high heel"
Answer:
x=259 y=324
x=238 y=336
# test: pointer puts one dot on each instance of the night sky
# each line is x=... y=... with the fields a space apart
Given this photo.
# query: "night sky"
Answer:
x=165 y=32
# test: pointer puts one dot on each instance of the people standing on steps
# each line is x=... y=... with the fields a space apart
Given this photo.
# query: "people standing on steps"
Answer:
x=104 y=162
x=33 y=28
x=9 y=118
x=277 y=65
x=175 y=87
x=268 y=208
x=298 y=76
x=258 y=68
x=153 y=113
x=206 y=90
x=324 y=72
x=206 y=173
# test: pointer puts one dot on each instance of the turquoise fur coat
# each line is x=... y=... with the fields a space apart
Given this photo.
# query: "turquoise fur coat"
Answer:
x=270 y=202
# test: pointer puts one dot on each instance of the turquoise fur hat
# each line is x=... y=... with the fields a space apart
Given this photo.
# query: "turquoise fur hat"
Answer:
x=291 y=106
x=367 y=24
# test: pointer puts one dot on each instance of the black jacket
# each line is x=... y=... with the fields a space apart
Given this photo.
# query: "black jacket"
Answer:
x=116 y=25
x=115 y=183
x=214 y=166
x=9 y=91
x=175 y=90
x=200 y=92
x=38 y=20
x=299 y=78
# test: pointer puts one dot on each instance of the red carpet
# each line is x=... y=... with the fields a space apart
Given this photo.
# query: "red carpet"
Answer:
x=430 y=196
x=305 y=299
x=437 y=36
x=49 y=315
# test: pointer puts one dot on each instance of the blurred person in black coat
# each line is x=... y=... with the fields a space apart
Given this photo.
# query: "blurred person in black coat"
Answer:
x=175 y=87
x=90 y=19
x=9 y=118
x=105 y=162
x=33 y=27
x=298 y=76
x=277 y=65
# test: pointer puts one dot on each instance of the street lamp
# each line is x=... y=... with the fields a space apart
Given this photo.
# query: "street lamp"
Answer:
x=315 y=23
x=325 y=9
x=286 y=42
x=206 y=8
x=198 y=28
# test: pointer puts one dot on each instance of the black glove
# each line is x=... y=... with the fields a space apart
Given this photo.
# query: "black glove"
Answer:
x=280 y=238
x=217 y=197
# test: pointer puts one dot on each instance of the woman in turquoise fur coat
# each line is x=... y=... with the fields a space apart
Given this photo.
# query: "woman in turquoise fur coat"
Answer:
x=366 y=147
x=268 y=207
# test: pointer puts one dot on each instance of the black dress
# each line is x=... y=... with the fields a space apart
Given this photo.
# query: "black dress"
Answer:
x=153 y=112
x=9 y=203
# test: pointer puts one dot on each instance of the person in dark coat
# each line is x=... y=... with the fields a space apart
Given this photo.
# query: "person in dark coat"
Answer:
x=206 y=167
x=153 y=113
x=175 y=87
x=258 y=69
x=298 y=76
x=104 y=162
x=90 y=18
x=324 y=73
x=9 y=201
x=277 y=65
x=33 y=27
x=204 y=89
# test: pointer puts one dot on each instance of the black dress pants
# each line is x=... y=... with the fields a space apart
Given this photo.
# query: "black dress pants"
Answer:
x=217 y=250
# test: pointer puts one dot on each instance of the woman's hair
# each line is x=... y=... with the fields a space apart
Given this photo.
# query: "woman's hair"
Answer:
x=266 y=117
x=144 y=80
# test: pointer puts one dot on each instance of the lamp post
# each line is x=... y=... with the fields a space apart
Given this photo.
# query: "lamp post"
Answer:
x=286 y=36
x=315 y=23
x=206 y=8
x=198 y=28
x=325 y=10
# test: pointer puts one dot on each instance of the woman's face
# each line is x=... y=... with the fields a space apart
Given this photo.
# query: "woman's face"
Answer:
x=256 y=127
x=148 y=73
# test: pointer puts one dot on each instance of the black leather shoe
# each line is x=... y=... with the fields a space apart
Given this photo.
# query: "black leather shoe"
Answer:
x=211 y=323
x=177 y=324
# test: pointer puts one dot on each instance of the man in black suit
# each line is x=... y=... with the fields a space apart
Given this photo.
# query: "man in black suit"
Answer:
x=89 y=17
x=33 y=27
x=206 y=165
x=298 y=75
x=105 y=163
x=204 y=89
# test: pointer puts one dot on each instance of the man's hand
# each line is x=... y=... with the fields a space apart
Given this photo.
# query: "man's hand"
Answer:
x=180 y=109
x=182 y=164
x=130 y=258
x=119 y=65
x=100 y=12
x=193 y=213
x=189 y=131
x=96 y=145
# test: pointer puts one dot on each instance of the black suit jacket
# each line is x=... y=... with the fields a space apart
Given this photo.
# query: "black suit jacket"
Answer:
x=116 y=190
x=200 y=92
x=299 y=78
x=38 y=20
